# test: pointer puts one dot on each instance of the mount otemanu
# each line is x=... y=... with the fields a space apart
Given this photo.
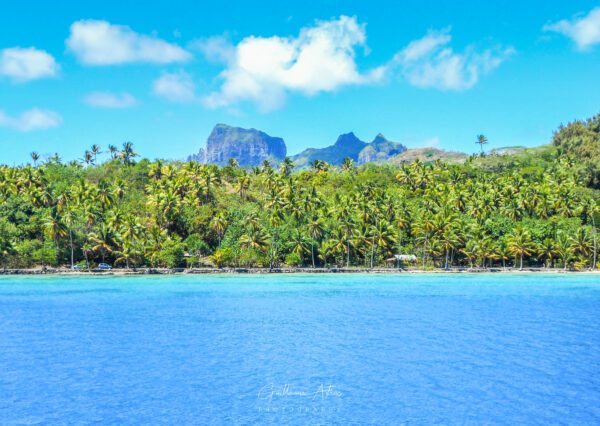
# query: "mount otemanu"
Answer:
x=250 y=147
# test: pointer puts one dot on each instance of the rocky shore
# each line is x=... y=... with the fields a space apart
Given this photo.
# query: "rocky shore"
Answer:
x=170 y=271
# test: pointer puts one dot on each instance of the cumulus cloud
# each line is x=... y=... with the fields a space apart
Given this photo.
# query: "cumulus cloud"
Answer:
x=33 y=119
x=176 y=87
x=102 y=43
x=430 y=62
x=24 y=64
x=263 y=70
x=215 y=49
x=109 y=100
x=583 y=30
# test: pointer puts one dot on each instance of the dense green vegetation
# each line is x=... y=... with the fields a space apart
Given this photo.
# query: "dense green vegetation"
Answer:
x=537 y=209
x=580 y=140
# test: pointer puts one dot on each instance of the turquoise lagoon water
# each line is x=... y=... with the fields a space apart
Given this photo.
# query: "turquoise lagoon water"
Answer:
x=300 y=349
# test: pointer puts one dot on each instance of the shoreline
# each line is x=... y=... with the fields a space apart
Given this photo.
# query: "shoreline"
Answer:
x=267 y=271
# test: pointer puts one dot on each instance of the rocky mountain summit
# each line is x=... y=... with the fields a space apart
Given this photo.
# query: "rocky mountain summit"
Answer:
x=348 y=145
x=380 y=149
x=248 y=146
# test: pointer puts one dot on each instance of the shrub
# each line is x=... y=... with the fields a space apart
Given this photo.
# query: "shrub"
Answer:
x=250 y=258
x=222 y=257
x=45 y=255
x=171 y=254
x=293 y=259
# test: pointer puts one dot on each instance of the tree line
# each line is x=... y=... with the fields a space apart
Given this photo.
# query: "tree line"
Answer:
x=508 y=211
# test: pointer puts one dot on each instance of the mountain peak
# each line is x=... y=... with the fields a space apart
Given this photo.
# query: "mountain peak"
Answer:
x=248 y=146
x=379 y=138
x=346 y=139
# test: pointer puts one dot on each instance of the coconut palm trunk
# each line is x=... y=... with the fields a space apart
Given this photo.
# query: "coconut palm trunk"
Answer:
x=595 y=244
x=373 y=243
x=312 y=249
x=521 y=264
x=71 y=242
x=347 y=249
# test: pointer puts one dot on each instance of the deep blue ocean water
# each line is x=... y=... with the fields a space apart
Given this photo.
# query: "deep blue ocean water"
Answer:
x=300 y=349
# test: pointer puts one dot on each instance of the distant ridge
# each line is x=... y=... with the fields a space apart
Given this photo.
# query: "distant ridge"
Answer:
x=427 y=155
x=250 y=147
x=348 y=145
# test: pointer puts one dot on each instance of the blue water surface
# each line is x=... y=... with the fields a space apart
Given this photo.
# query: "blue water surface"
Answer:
x=300 y=349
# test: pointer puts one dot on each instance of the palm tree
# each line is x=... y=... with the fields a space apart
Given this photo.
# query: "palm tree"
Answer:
x=88 y=157
x=315 y=229
x=346 y=223
x=87 y=248
x=563 y=248
x=384 y=238
x=35 y=157
x=211 y=177
x=156 y=170
x=54 y=228
x=69 y=217
x=253 y=239
x=131 y=229
x=233 y=163
x=275 y=219
x=423 y=230
x=5 y=247
x=127 y=254
x=402 y=223
x=347 y=164
x=547 y=250
x=114 y=151
x=218 y=224
x=104 y=240
x=336 y=247
x=104 y=194
x=119 y=189
x=243 y=185
x=448 y=241
x=502 y=253
x=483 y=248
x=287 y=165
x=591 y=209
x=481 y=140
x=128 y=154
x=95 y=151
x=298 y=244
x=55 y=158
x=581 y=245
x=520 y=244
x=470 y=252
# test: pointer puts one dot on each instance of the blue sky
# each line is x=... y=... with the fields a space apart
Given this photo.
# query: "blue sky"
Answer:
x=163 y=74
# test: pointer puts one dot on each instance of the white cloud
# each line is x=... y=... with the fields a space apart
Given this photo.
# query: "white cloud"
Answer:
x=24 y=64
x=102 y=43
x=109 y=100
x=263 y=70
x=418 y=49
x=430 y=62
x=176 y=87
x=216 y=49
x=33 y=119
x=584 y=31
